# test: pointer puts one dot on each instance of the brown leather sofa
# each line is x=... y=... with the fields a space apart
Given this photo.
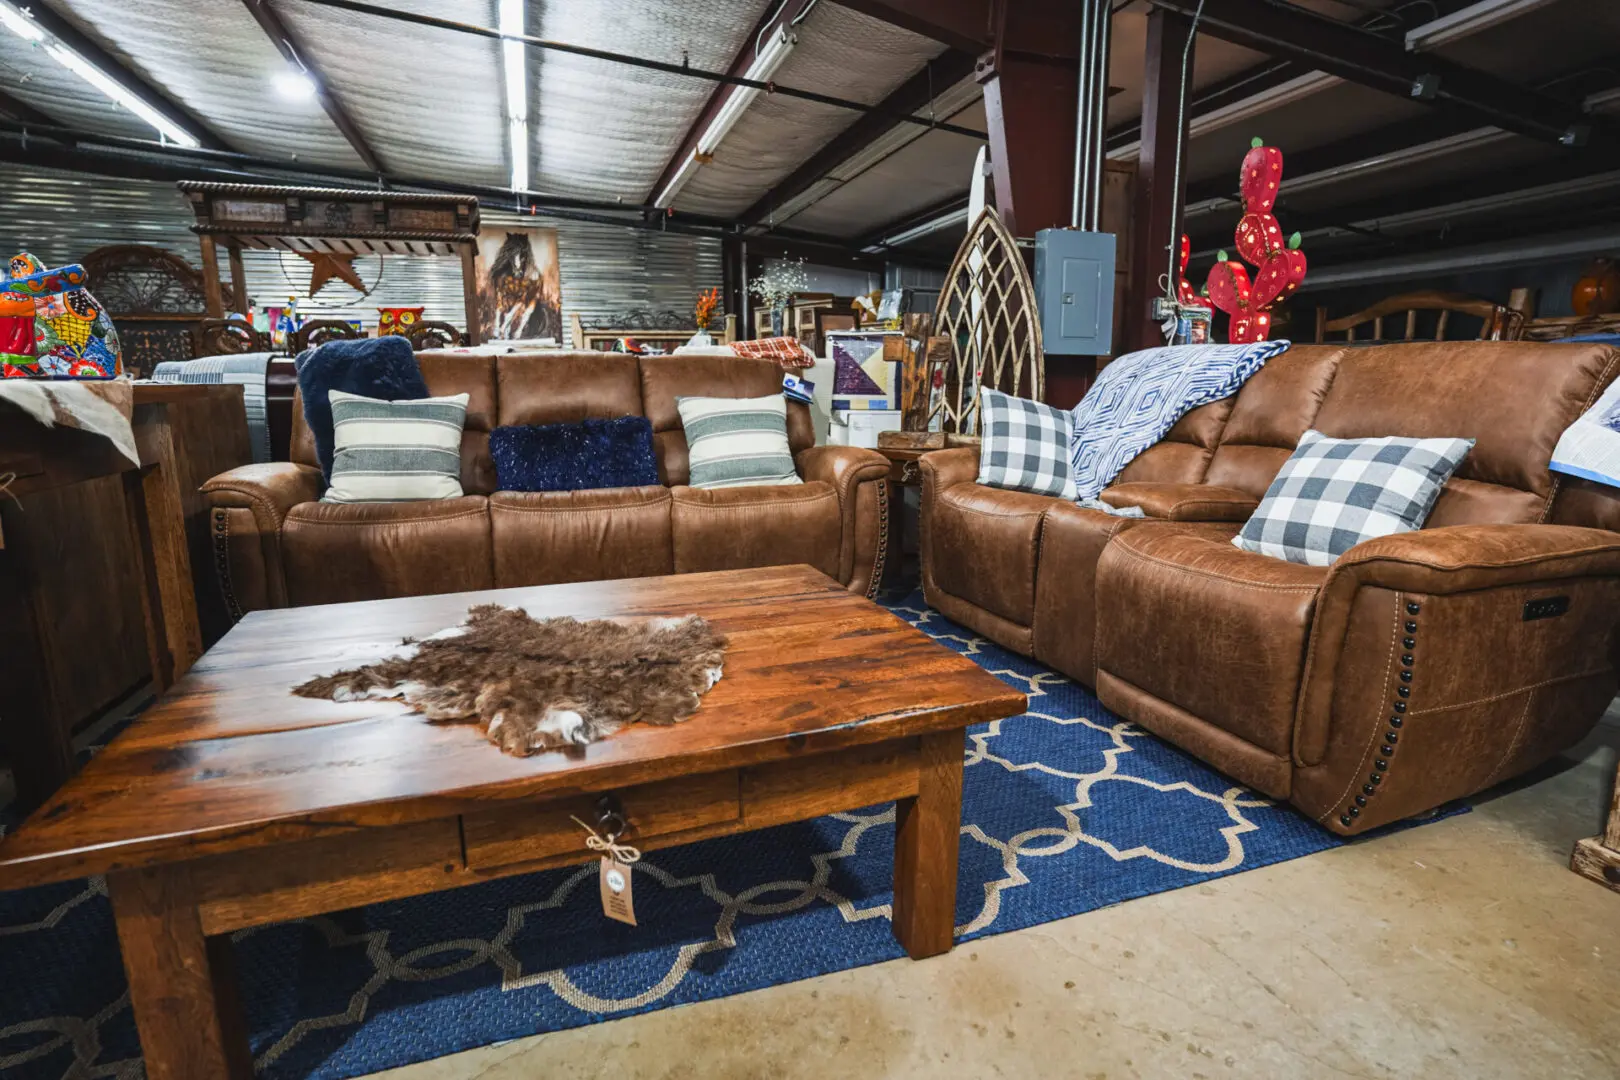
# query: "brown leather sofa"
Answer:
x=1418 y=669
x=276 y=546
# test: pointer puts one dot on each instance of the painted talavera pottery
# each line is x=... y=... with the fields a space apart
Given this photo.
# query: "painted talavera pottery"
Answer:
x=51 y=327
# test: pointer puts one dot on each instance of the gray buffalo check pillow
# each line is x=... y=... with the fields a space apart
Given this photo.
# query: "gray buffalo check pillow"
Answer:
x=1024 y=445
x=1334 y=493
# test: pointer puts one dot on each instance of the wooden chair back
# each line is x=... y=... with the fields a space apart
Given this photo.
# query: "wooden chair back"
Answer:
x=1497 y=322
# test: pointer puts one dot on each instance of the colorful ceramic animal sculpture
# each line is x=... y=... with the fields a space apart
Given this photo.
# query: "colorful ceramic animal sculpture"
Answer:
x=68 y=334
x=398 y=320
x=1280 y=266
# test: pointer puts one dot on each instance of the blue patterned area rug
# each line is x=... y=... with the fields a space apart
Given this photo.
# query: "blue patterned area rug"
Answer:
x=1066 y=809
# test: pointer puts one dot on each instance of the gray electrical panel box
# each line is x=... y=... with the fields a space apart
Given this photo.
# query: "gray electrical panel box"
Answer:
x=1074 y=286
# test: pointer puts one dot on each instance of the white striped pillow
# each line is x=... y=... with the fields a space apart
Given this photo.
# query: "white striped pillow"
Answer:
x=395 y=451
x=737 y=442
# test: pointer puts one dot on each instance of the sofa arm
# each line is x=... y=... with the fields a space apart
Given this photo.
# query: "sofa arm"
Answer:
x=1446 y=660
x=247 y=506
x=946 y=468
x=1184 y=502
x=860 y=477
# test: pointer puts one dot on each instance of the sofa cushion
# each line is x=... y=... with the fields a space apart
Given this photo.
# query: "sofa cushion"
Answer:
x=1332 y=494
x=1184 y=502
x=664 y=378
x=337 y=552
x=383 y=368
x=1025 y=445
x=395 y=451
x=1139 y=398
x=737 y=442
x=1270 y=413
x=548 y=537
x=447 y=374
x=582 y=456
x=1072 y=539
x=983 y=543
x=737 y=528
x=1514 y=398
x=567 y=387
x=1214 y=631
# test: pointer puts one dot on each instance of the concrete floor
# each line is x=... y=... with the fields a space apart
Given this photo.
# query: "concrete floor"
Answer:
x=1464 y=949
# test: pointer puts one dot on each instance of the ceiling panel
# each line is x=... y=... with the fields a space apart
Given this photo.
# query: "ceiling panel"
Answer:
x=839 y=52
x=217 y=62
x=927 y=171
x=429 y=101
x=34 y=78
x=606 y=130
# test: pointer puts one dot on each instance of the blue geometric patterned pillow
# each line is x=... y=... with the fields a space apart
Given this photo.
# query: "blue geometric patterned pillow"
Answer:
x=1138 y=398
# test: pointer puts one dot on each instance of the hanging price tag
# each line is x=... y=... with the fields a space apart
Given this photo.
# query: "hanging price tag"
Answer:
x=617 y=901
x=613 y=879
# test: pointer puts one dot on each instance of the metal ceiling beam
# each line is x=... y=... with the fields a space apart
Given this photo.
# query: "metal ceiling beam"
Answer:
x=915 y=93
x=770 y=24
x=160 y=102
x=961 y=24
x=934 y=211
x=293 y=52
x=1363 y=57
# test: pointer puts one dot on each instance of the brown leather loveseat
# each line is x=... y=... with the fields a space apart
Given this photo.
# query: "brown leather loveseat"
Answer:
x=1417 y=669
x=276 y=546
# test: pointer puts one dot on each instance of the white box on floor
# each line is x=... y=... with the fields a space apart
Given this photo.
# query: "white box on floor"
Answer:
x=860 y=427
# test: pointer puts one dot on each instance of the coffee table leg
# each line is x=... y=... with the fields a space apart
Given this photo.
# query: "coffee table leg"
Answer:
x=181 y=985
x=927 y=844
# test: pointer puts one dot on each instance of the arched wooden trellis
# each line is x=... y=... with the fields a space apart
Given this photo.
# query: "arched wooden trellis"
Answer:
x=988 y=318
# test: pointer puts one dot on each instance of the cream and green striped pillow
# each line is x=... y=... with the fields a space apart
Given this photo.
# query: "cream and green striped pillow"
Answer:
x=737 y=442
x=395 y=451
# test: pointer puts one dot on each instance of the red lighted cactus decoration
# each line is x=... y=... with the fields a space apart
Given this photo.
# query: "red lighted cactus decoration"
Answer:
x=1280 y=265
x=1186 y=295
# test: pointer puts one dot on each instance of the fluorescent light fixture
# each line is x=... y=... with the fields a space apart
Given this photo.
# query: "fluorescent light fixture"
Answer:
x=765 y=65
x=917 y=232
x=515 y=63
x=1468 y=21
x=25 y=27
x=294 y=85
x=20 y=24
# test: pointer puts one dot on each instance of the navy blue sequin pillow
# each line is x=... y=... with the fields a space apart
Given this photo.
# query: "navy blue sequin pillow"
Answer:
x=574 y=457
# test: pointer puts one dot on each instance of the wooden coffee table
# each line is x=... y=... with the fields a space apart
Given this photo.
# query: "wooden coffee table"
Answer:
x=231 y=803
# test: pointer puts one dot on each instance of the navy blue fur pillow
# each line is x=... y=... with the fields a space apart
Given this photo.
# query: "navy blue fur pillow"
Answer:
x=382 y=368
x=575 y=457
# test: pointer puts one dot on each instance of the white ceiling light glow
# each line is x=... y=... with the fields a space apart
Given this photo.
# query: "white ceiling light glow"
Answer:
x=25 y=27
x=294 y=85
x=514 y=62
x=765 y=65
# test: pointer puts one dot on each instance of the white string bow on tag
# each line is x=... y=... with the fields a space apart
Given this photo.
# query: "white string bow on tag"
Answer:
x=623 y=854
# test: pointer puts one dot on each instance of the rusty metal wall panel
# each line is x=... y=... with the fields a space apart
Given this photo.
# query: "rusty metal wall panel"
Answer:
x=607 y=270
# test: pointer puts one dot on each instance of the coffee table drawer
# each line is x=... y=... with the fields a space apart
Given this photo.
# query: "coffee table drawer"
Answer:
x=530 y=832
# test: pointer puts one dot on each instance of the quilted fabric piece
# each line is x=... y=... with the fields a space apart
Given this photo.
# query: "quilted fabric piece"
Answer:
x=1332 y=494
x=1026 y=445
x=1138 y=398
x=786 y=351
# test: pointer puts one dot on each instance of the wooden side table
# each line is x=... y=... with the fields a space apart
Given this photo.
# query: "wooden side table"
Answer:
x=34 y=729
x=1598 y=857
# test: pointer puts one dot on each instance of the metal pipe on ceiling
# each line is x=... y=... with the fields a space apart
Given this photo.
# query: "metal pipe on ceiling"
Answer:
x=363 y=8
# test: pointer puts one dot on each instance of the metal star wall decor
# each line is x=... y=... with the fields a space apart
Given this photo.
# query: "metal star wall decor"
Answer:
x=327 y=266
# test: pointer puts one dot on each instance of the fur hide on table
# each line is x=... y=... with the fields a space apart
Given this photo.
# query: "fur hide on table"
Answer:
x=541 y=684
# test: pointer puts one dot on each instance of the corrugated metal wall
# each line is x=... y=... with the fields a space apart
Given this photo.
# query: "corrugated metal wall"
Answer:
x=607 y=270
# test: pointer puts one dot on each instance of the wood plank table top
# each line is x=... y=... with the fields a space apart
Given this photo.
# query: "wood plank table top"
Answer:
x=230 y=760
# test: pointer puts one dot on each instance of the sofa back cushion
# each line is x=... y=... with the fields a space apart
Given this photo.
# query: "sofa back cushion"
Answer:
x=1513 y=398
x=446 y=375
x=1275 y=407
x=566 y=387
x=1182 y=456
x=665 y=378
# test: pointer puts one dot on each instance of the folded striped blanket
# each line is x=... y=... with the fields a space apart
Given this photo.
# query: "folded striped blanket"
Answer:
x=246 y=370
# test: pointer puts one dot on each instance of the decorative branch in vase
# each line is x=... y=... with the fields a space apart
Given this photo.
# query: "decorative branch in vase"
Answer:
x=777 y=287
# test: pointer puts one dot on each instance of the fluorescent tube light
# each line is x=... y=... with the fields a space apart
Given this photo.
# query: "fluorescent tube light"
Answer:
x=25 y=27
x=20 y=24
x=1467 y=22
x=765 y=65
x=514 y=61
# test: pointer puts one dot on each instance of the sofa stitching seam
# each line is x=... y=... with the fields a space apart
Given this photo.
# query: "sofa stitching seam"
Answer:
x=1504 y=695
x=1513 y=743
x=375 y=524
x=1132 y=553
x=1376 y=726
